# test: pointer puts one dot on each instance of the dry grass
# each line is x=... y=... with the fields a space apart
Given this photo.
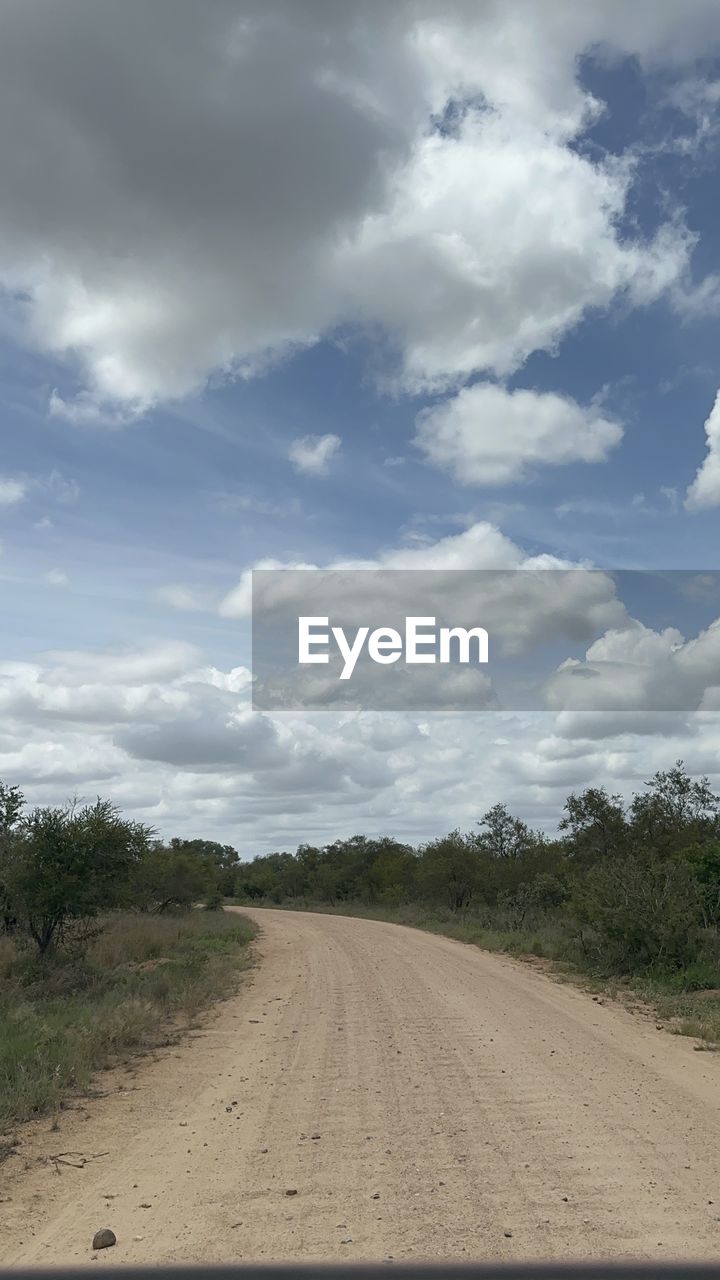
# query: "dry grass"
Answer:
x=142 y=979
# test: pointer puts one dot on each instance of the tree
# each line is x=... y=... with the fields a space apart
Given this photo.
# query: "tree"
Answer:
x=67 y=865
x=505 y=837
x=173 y=876
x=704 y=859
x=12 y=803
x=596 y=823
x=676 y=811
x=449 y=870
x=639 y=913
x=223 y=859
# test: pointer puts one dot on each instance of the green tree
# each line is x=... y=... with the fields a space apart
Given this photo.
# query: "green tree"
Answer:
x=67 y=865
x=171 y=876
x=504 y=836
x=449 y=870
x=596 y=824
x=639 y=913
x=222 y=858
x=12 y=803
x=675 y=811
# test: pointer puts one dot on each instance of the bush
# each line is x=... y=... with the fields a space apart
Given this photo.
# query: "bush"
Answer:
x=638 y=913
x=63 y=867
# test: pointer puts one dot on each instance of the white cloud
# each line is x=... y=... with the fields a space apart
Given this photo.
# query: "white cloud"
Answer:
x=15 y=489
x=496 y=242
x=486 y=435
x=173 y=741
x=482 y=546
x=705 y=488
x=292 y=183
x=520 y=610
x=11 y=491
x=57 y=578
x=643 y=670
x=313 y=454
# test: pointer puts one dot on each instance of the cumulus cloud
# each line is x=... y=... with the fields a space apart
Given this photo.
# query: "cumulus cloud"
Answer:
x=166 y=733
x=481 y=546
x=486 y=435
x=313 y=454
x=638 y=668
x=705 y=488
x=173 y=741
x=310 y=167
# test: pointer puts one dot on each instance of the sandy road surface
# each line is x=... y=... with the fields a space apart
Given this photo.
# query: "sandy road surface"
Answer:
x=457 y=1096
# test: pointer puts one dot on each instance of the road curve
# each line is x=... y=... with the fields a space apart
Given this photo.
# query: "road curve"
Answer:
x=421 y=1098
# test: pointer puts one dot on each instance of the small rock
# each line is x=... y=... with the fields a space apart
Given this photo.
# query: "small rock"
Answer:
x=104 y=1239
x=508 y=1234
x=375 y=1195
x=315 y=1137
x=263 y=1151
x=145 y=1205
x=346 y=1240
x=291 y=1191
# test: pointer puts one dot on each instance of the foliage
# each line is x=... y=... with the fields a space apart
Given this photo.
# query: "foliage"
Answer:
x=170 y=877
x=623 y=889
x=63 y=866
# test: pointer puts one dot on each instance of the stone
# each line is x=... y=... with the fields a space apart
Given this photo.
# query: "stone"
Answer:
x=104 y=1239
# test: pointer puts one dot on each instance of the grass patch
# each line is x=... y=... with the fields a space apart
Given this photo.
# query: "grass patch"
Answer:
x=141 y=979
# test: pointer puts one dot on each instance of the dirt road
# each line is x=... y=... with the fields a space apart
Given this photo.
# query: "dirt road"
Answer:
x=422 y=1099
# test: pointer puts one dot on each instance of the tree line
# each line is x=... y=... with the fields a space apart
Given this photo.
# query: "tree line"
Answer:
x=64 y=868
x=623 y=887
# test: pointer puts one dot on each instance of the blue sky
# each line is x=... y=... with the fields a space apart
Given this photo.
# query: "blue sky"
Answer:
x=286 y=248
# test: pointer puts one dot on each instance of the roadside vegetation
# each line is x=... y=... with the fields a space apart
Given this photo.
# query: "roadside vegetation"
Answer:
x=627 y=895
x=102 y=952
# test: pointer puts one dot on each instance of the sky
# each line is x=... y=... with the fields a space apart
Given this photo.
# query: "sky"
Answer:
x=320 y=282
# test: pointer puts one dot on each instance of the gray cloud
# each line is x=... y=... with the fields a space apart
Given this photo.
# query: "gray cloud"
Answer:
x=192 y=189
